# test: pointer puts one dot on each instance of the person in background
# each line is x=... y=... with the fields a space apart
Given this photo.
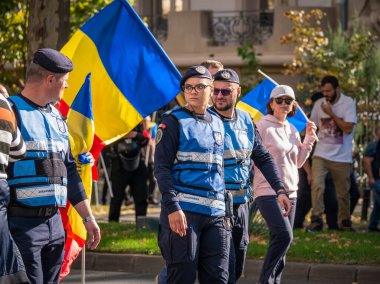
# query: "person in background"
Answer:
x=212 y=66
x=284 y=144
x=47 y=177
x=242 y=145
x=371 y=162
x=150 y=129
x=3 y=91
x=335 y=115
x=128 y=168
x=12 y=269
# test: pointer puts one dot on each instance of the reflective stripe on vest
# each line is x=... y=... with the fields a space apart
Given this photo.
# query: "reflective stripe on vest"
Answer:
x=40 y=179
x=238 y=145
x=198 y=169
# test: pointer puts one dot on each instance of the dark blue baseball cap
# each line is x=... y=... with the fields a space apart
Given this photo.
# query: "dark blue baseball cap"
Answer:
x=53 y=60
x=227 y=75
x=197 y=72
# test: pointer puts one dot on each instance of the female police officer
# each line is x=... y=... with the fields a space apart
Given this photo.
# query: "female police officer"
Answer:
x=189 y=171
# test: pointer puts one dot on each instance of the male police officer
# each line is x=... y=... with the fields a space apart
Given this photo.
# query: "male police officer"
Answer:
x=242 y=143
x=189 y=171
x=47 y=177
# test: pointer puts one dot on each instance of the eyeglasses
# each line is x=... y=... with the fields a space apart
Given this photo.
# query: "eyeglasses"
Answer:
x=225 y=92
x=279 y=101
x=198 y=88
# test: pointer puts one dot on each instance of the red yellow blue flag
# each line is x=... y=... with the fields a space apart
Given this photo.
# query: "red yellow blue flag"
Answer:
x=81 y=129
x=131 y=77
x=256 y=100
x=131 y=74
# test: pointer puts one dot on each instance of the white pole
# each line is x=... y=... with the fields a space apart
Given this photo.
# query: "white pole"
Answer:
x=269 y=78
x=83 y=268
x=274 y=82
x=106 y=175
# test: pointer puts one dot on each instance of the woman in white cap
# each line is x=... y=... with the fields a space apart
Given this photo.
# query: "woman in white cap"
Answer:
x=284 y=144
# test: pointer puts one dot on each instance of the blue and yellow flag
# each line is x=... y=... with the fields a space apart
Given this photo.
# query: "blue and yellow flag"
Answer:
x=255 y=103
x=131 y=74
x=81 y=129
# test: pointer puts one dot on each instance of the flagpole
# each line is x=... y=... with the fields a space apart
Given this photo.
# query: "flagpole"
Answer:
x=269 y=78
x=106 y=174
x=83 y=268
x=301 y=110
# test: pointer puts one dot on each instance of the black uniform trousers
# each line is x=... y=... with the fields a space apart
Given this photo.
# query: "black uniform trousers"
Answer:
x=137 y=181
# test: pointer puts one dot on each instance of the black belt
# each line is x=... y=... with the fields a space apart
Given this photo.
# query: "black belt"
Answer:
x=15 y=211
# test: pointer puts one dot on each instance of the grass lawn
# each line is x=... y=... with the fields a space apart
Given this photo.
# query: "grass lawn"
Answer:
x=325 y=247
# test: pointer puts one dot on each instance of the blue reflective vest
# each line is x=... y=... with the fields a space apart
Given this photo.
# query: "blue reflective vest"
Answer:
x=238 y=145
x=198 y=168
x=40 y=179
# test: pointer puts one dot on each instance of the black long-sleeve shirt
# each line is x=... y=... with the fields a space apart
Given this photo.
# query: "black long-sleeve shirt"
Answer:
x=166 y=150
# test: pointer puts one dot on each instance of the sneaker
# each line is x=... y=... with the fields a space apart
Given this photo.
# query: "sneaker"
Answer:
x=316 y=225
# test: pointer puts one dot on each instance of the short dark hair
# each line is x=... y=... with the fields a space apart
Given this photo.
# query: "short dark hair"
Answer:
x=290 y=114
x=210 y=63
x=36 y=73
x=329 y=79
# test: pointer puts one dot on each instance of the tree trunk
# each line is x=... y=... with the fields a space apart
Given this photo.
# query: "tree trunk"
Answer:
x=48 y=24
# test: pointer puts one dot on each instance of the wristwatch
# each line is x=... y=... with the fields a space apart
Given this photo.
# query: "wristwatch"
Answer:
x=88 y=219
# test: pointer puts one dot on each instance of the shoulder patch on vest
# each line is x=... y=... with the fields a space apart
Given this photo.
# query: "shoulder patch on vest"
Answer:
x=61 y=125
x=159 y=135
x=218 y=138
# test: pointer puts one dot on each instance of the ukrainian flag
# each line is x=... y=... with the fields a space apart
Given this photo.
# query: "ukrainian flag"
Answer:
x=256 y=100
x=81 y=129
x=131 y=74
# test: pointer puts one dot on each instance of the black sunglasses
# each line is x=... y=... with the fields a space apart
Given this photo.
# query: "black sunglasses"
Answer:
x=279 y=101
x=225 y=92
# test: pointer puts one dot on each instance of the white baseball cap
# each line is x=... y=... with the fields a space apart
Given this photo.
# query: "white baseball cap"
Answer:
x=282 y=90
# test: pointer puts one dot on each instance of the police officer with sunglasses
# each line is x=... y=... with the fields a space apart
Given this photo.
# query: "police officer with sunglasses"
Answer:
x=242 y=145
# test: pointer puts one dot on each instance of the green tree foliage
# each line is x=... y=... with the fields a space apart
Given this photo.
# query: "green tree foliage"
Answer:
x=13 y=35
x=249 y=76
x=81 y=11
x=351 y=55
x=13 y=42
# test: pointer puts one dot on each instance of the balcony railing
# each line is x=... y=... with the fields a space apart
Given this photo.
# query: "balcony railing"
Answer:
x=227 y=28
x=235 y=28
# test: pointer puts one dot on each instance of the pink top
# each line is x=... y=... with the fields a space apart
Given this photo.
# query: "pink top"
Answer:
x=284 y=144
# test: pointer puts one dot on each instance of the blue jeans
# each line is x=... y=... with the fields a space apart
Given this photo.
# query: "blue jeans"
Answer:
x=280 y=237
x=375 y=215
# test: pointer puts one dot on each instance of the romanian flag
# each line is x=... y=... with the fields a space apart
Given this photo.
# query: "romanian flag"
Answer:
x=255 y=103
x=131 y=77
x=131 y=74
x=81 y=128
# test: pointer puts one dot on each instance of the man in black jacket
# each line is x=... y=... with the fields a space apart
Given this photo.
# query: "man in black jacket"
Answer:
x=128 y=168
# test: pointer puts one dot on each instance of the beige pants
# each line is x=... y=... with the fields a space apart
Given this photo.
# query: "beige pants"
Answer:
x=340 y=173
